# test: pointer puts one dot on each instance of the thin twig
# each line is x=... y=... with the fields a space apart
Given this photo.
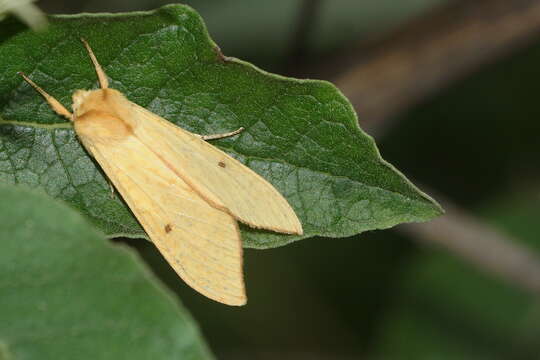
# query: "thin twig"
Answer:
x=490 y=250
x=430 y=53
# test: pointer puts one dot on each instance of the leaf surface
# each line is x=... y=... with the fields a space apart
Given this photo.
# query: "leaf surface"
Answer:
x=67 y=293
x=301 y=135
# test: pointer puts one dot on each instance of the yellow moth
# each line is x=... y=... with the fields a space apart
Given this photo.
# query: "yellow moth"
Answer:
x=187 y=194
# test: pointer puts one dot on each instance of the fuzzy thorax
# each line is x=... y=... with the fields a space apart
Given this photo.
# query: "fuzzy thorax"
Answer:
x=102 y=115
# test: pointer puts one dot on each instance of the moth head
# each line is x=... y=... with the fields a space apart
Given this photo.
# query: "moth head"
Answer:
x=103 y=100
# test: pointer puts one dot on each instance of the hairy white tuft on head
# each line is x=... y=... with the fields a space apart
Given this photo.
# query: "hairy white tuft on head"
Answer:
x=78 y=98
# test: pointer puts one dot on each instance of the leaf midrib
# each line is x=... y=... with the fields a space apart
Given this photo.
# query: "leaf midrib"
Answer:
x=66 y=125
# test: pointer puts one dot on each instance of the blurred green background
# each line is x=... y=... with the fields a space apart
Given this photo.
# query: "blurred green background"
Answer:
x=382 y=295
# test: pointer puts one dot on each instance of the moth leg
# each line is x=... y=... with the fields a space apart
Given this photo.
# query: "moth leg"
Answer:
x=221 y=136
x=55 y=104
x=103 y=82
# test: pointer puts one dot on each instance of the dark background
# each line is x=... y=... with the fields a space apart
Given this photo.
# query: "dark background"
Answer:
x=450 y=91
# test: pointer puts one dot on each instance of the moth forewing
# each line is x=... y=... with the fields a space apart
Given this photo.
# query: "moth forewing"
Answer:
x=200 y=242
x=217 y=177
x=186 y=194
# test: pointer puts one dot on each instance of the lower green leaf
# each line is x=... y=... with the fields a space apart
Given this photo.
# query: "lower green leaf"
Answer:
x=67 y=293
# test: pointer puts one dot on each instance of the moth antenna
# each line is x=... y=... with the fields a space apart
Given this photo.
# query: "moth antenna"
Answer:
x=55 y=104
x=103 y=82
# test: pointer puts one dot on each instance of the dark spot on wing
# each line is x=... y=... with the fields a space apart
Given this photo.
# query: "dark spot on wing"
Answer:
x=221 y=164
x=168 y=228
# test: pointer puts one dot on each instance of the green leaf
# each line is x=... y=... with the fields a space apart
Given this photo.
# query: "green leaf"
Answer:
x=301 y=135
x=67 y=293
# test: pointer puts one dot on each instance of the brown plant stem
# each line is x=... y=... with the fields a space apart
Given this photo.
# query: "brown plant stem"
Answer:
x=430 y=53
x=472 y=239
